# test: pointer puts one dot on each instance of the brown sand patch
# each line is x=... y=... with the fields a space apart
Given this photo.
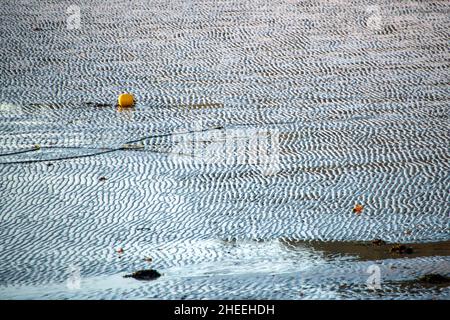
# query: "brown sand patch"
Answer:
x=364 y=251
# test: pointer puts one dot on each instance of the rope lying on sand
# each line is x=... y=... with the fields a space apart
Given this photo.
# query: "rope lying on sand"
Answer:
x=104 y=151
x=18 y=152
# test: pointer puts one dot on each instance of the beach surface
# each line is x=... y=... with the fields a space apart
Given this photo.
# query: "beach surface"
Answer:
x=258 y=126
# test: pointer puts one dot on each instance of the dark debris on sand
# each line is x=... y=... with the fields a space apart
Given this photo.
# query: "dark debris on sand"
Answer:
x=99 y=105
x=144 y=275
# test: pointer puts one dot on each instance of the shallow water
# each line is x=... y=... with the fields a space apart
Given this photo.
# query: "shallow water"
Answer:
x=341 y=111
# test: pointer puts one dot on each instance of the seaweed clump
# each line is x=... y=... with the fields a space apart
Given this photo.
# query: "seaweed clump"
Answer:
x=144 y=275
x=400 y=248
x=434 y=278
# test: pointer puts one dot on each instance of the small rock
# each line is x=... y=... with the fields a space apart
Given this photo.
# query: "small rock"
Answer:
x=378 y=242
x=393 y=267
x=126 y=100
x=102 y=179
x=144 y=275
x=148 y=259
x=99 y=105
x=400 y=248
x=131 y=146
x=358 y=208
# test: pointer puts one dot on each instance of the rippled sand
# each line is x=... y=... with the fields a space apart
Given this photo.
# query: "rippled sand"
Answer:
x=348 y=101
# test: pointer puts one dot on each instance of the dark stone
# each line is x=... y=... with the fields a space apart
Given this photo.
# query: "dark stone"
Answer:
x=400 y=248
x=378 y=242
x=144 y=275
x=99 y=105
x=409 y=250
x=434 y=278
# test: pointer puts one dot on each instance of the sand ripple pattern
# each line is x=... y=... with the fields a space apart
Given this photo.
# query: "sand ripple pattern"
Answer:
x=359 y=106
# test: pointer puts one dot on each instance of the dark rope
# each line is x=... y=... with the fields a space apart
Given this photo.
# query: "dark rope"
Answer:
x=128 y=142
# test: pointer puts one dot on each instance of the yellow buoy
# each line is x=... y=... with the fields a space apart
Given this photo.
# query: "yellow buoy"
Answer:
x=126 y=100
